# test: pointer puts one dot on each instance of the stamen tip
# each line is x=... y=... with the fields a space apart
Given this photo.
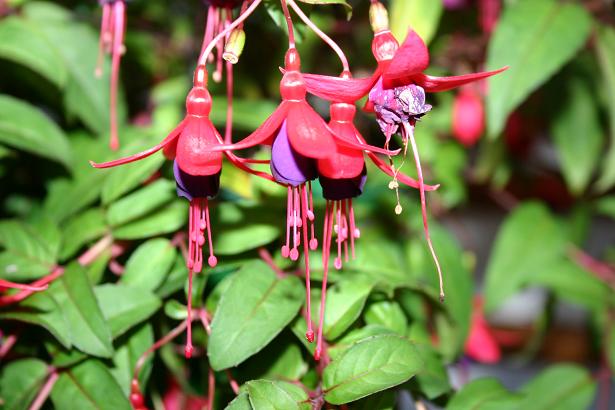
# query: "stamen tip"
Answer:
x=285 y=251
x=398 y=209
x=317 y=354
x=294 y=254
x=338 y=263
x=309 y=335
x=442 y=297
x=188 y=351
x=212 y=261
x=313 y=244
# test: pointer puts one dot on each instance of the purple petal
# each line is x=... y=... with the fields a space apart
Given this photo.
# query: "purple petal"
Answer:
x=339 y=189
x=287 y=166
x=191 y=186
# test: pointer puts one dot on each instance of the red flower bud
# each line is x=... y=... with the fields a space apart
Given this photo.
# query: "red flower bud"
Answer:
x=468 y=117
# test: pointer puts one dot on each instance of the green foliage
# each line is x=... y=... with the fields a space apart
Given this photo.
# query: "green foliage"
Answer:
x=114 y=240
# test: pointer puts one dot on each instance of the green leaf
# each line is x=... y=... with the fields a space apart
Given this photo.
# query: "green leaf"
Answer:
x=534 y=38
x=85 y=95
x=529 y=241
x=88 y=328
x=370 y=366
x=255 y=307
x=560 y=387
x=67 y=197
x=124 y=306
x=27 y=254
x=571 y=282
x=605 y=50
x=422 y=16
x=232 y=241
x=141 y=202
x=387 y=314
x=23 y=43
x=127 y=354
x=350 y=338
x=275 y=395
x=20 y=382
x=610 y=343
x=484 y=394
x=241 y=402
x=149 y=264
x=88 y=385
x=166 y=220
x=81 y=229
x=248 y=115
x=41 y=309
x=24 y=127
x=578 y=155
x=344 y=304
x=606 y=206
x=432 y=380
x=121 y=180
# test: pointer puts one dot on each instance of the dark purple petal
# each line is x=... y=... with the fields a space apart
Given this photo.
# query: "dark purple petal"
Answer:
x=287 y=166
x=338 y=189
x=191 y=186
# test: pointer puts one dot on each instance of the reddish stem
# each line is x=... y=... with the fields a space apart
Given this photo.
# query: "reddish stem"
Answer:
x=43 y=394
x=9 y=342
x=267 y=258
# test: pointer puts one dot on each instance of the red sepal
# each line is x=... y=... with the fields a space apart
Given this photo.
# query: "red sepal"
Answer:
x=144 y=154
x=345 y=162
x=433 y=84
x=337 y=89
x=265 y=134
x=307 y=132
x=194 y=155
x=411 y=58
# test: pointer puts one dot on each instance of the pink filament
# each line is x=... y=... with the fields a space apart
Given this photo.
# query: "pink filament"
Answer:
x=326 y=249
x=409 y=135
x=105 y=38
x=306 y=254
x=117 y=51
x=311 y=216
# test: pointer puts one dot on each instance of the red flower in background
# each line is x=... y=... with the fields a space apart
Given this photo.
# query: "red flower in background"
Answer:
x=481 y=345
x=468 y=117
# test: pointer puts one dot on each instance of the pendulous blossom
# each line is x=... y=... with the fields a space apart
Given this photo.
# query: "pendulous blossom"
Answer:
x=111 y=42
x=197 y=171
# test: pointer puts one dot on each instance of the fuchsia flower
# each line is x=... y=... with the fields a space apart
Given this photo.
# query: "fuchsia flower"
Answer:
x=299 y=137
x=197 y=169
x=111 y=41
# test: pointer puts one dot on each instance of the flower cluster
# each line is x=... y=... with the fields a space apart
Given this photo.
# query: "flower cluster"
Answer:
x=304 y=147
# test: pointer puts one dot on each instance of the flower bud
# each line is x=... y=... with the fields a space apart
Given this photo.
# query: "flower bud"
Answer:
x=234 y=46
x=468 y=117
x=378 y=17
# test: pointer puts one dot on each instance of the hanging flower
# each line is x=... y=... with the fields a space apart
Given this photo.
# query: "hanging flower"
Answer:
x=468 y=117
x=111 y=42
x=197 y=171
x=298 y=137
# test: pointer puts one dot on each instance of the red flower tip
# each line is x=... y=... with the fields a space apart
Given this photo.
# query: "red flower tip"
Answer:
x=188 y=351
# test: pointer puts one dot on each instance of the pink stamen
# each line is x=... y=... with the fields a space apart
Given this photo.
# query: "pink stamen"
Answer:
x=118 y=50
x=313 y=240
x=306 y=254
x=286 y=248
x=344 y=230
x=294 y=252
x=354 y=232
x=189 y=348
x=338 y=213
x=409 y=135
x=328 y=227
x=212 y=261
x=104 y=39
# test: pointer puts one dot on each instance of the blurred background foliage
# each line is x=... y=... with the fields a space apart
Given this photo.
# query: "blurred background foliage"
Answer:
x=523 y=221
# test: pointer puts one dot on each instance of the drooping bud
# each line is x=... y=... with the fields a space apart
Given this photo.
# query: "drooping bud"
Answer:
x=468 y=117
x=234 y=46
x=378 y=17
